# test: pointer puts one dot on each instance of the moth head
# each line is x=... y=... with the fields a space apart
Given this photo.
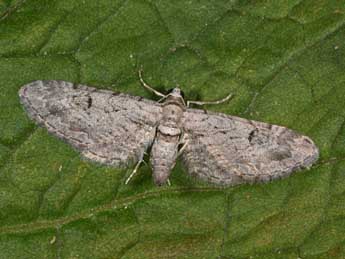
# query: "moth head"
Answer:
x=176 y=92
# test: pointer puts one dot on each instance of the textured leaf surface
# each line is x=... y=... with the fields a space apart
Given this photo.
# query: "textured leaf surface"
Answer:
x=284 y=60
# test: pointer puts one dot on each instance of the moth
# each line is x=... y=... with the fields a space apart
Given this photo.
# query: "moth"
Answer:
x=117 y=129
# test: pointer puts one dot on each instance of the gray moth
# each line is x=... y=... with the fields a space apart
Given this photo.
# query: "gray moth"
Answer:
x=116 y=129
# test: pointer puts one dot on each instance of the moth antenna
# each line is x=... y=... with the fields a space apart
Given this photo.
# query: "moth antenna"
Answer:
x=227 y=98
x=144 y=84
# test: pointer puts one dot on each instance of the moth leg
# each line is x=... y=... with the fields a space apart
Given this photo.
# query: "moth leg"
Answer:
x=182 y=149
x=149 y=87
x=211 y=102
x=168 y=181
x=162 y=99
x=134 y=171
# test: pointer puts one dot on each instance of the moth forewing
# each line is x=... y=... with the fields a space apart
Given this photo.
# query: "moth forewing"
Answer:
x=239 y=150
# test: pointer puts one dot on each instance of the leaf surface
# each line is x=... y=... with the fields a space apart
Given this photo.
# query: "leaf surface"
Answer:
x=284 y=61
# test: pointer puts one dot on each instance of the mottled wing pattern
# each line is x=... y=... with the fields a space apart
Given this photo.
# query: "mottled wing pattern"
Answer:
x=107 y=127
x=229 y=150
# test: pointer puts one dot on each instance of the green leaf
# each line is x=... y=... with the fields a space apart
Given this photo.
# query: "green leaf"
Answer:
x=284 y=60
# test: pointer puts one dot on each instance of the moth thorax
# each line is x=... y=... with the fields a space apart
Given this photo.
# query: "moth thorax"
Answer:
x=169 y=130
x=177 y=100
x=172 y=114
